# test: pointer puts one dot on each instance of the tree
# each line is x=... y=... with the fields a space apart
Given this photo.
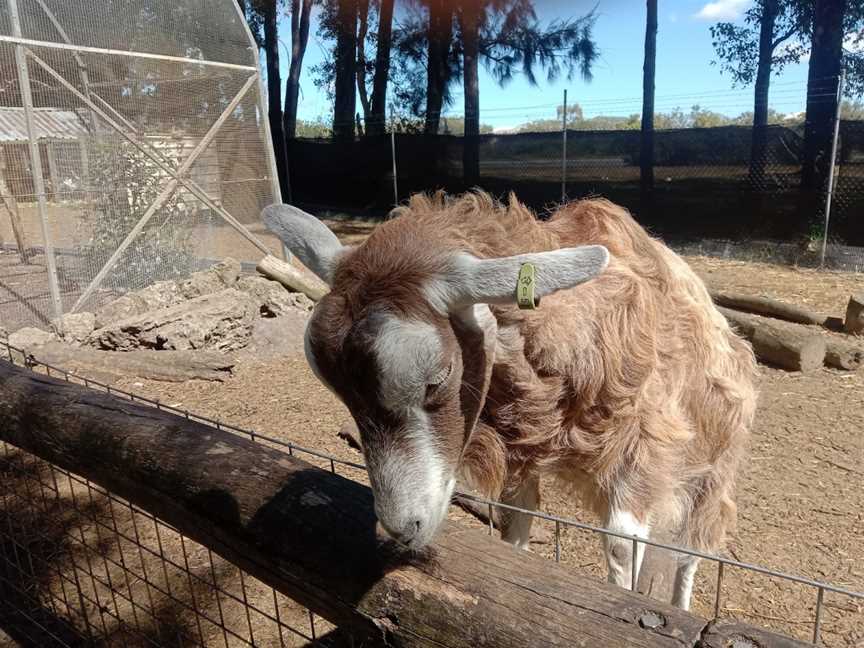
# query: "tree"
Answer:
x=440 y=41
x=268 y=11
x=751 y=52
x=823 y=75
x=301 y=11
x=376 y=119
x=646 y=144
x=509 y=38
x=469 y=22
x=345 y=91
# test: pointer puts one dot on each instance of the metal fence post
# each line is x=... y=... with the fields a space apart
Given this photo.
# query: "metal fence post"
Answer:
x=393 y=155
x=35 y=160
x=564 y=149
x=830 y=189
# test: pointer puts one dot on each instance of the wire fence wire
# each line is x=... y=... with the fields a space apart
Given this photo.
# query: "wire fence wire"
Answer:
x=712 y=185
x=79 y=563
x=133 y=148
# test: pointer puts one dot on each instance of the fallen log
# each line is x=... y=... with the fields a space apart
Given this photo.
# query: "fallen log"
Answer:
x=844 y=354
x=312 y=534
x=854 y=320
x=292 y=277
x=781 y=344
x=767 y=307
x=107 y=366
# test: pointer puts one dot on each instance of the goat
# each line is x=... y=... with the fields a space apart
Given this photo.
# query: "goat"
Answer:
x=625 y=383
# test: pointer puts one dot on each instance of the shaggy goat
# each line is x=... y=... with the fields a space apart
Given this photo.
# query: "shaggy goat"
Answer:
x=625 y=383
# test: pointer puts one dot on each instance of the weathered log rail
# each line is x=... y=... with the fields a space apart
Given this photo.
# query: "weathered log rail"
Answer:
x=312 y=535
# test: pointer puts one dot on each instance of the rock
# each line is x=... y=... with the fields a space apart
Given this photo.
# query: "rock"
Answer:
x=158 y=295
x=220 y=276
x=29 y=337
x=75 y=328
x=221 y=320
x=273 y=299
x=4 y=334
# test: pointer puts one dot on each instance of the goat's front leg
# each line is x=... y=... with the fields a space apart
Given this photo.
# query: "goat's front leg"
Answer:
x=515 y=526
x=682 y=590
x=619 y=551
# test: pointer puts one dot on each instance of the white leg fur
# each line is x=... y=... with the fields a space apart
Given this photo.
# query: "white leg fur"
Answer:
x=516 y=527
x=684 y=575
x=619 y=551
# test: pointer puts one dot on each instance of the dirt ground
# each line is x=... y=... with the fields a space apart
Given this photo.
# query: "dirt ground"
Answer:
x=801 y=493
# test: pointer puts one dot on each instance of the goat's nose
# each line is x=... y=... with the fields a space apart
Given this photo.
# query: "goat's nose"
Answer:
x=406 y=533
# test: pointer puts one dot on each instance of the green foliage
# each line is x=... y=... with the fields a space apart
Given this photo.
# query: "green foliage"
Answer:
x=456 y=126
x=163 y=248
x=697 y=117
x=737 y=46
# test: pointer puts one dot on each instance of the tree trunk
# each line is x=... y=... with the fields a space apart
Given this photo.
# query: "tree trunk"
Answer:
x=438 y=74
x=300 y=16
x=363 y=16
x=646 y=149
x=346 y=71
x=854 y=321
x=787 y=346
x=768 y=307
x=471 y=142
x=826 y=58
x=377 y=121
x=759 y=142
x=274 y=93
x=312 y=535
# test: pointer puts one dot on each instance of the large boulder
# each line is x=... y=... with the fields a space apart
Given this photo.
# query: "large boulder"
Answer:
x=221 y=321
x=158 y=295
x=163 y=294
x=206 y=282
x=75 y=328
x=272 y=297
x=29 y=337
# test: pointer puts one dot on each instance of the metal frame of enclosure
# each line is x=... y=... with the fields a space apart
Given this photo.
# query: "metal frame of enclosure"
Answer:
x=173 y=163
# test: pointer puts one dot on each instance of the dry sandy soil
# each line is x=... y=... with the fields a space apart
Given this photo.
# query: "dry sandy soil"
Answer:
x=801 y=494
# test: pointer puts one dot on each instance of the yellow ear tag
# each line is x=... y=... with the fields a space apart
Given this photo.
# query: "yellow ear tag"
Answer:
x=525 y=287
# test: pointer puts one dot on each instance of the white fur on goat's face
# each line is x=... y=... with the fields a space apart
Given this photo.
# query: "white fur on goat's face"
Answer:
x=406 y=339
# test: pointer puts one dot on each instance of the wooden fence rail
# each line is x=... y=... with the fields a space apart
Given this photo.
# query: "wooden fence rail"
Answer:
x=312 y=535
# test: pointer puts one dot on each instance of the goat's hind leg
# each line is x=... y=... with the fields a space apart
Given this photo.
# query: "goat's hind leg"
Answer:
x=515 y=526
x=619 y=551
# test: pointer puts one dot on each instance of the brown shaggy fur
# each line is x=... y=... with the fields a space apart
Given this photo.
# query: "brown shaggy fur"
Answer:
x=631 y=387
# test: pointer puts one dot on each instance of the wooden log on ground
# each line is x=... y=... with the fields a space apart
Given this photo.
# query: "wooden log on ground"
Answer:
x=312 y=534
x=767 y=307
x=781 y=344
x=844 y=354
x=854 y=320
x=107 y=366
x=292 y=278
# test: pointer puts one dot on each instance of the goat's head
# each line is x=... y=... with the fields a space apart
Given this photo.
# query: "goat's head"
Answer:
x=406 y=340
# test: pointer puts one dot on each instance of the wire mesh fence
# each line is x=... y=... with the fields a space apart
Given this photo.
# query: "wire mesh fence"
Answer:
x=732 y=186
x=133 y=149
x=127 y=574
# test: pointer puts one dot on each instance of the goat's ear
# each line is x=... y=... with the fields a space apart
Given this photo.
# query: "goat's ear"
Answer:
x=305 y=236
x=493 y=281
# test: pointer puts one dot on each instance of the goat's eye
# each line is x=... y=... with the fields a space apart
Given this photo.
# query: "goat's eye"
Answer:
x=439 y=379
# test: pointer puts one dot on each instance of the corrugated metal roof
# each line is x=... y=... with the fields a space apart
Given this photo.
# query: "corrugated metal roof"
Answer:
x=51 y=123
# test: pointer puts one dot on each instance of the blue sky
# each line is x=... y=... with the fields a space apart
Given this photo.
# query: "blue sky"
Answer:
x=685 y=75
